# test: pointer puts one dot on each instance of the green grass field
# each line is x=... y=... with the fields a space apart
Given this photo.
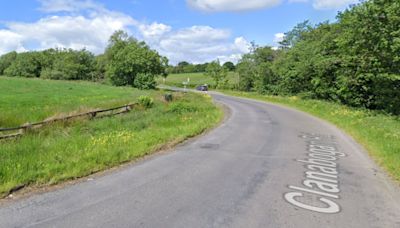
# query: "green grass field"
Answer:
x=195 y=79
x=68 y=150
x=30 y=100
x=378 y=133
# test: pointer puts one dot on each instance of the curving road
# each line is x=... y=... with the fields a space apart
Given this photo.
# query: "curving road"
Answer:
x=265 y=166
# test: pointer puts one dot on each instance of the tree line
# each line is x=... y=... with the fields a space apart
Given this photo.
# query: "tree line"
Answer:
x=126 y=61
x=186 y=67
x=355 y=60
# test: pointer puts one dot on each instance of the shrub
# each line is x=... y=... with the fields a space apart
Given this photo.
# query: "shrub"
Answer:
x=218 y=73
x=181 y=107
x=144 y=81
x=69 y=64
x=25 y=65
x=6 y=61
x=146 y=101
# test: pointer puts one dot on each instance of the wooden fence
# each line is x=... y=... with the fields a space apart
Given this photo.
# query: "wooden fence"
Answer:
x=19 y=131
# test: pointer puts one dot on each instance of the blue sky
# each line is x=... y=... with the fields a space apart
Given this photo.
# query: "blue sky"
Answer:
x=192 y=30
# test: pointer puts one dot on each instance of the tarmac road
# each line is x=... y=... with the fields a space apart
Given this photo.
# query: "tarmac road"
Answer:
x=265 y=166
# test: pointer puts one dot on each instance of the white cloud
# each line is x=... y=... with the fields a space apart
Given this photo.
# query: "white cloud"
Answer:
x=248 y=5
x=52 y=6
x=74 y=32
x=242 y=44
x=70 y=31
x=278 y=37
x=231 y=5
x=154 y=30
x=332 y=4
x=327 y=4
x=10 y=41
x=231 y=58
x=201 y=43
x=75 y=29
x=199 y=34
x=298 y=1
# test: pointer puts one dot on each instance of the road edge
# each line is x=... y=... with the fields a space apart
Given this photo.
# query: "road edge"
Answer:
x=30 y=191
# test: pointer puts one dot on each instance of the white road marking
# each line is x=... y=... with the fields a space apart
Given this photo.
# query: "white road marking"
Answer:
x=321 y=177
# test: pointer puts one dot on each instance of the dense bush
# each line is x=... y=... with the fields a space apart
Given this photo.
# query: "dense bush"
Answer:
x=218 y=73
x=25 y=65
x=6 y=61
x=255 y=70
x=70 y=65
x=230 y=66
x=144 y=81
x=146 y=101
x=355 y=60
x=60 y=64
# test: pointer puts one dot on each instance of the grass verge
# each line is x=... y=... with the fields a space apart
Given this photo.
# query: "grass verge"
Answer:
x=379 y=133
x=30 y=100
x=71 y=150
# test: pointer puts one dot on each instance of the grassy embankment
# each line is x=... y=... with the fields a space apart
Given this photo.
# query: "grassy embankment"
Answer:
x=70 y=150
x=379 y=133
x=31 y=100
x=195 y=79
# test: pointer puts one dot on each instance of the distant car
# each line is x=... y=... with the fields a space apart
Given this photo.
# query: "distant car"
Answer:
x=202 y=88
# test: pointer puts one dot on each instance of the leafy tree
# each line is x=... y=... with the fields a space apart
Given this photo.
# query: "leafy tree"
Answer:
x=186 y=67
x=246 y=69
x=25 y=65
x=218 y=73
x=128 y=57
x=100 y=67
x=118 y=41
x=369 y=46
x=255 y=70
x=296 y=34
x=200 y=67
x=229 y=66
x=6 y=60
x=70 y=65
x=309 y=67
x=183 y=64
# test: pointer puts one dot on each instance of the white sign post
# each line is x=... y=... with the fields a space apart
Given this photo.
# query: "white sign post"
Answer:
x=185 y=85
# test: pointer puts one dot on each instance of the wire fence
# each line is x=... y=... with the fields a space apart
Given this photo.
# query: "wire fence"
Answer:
x=13 y=132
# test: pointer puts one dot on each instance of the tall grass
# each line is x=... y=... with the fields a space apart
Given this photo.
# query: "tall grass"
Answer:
x=29 y=100
x=70 y=150
x=379 y=133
